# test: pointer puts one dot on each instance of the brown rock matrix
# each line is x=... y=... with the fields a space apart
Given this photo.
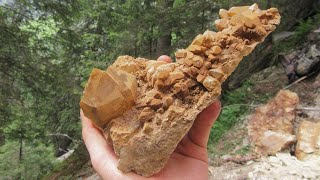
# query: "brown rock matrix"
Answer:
x=145 y=107
x=271 y=126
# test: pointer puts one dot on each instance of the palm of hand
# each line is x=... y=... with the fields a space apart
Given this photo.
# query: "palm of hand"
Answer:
x=188 y=161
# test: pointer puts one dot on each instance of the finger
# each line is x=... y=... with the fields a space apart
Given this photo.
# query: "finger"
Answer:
x=99 y=149
x=200 y=131
x=101 y=153
x=165 y=58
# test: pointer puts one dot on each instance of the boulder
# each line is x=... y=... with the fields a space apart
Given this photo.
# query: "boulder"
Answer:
x=308 y=140
x=307 y=62
x=271 y=126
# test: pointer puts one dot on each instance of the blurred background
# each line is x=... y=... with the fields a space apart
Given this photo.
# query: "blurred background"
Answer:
x=48 y=49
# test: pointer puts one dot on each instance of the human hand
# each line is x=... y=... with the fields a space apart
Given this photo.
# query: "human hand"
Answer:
x=188 y=161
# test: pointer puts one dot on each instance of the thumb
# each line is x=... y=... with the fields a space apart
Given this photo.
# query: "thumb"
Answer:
x=165 y=58
x=200 y=131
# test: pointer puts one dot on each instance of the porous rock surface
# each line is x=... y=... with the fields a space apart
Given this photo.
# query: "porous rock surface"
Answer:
x=145 y=107
x=271 y=127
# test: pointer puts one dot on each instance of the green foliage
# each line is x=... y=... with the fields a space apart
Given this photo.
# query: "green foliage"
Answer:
x=38 y=159
x=228 y=117
x=243 y=151
x=304 y=27
x=237 y=96
x=178 y=3
x=43 y=31
x=231 y=113
x=65 y=169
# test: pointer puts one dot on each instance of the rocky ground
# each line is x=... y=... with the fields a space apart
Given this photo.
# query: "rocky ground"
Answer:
x=241 y=162
x=235 y=156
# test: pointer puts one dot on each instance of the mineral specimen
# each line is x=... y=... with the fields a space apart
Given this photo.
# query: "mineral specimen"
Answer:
x=145 y=107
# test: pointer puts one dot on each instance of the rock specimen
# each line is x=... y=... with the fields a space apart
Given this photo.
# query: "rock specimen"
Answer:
x=308 y=137
x=271 y=126
x=145 y=107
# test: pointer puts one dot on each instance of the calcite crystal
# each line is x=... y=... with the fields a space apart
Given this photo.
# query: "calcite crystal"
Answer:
x=271 y=126
x=146 y=107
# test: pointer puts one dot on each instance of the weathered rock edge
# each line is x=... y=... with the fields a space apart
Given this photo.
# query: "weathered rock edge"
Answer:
x=146 y=107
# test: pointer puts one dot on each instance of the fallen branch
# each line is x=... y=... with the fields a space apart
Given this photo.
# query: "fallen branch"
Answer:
x=249 y=105
x=309 y=108
x=64 y=135
x=60 y=149
x=295 y=82
x=242 y=160
x=258 y=105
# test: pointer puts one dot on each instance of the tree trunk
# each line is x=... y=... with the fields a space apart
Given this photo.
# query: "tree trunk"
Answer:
x=164 y=41
x=21 y=145
x=2 y=138
x=269 y=3
x=203 y=19
x=150 y=42
x=164 y=44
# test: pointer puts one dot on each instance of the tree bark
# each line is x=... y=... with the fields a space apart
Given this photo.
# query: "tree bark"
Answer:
x=164 y=44
x=151 y=42
x=164 y=41
x=269 y=3
x=2 y=138
x=21 y=146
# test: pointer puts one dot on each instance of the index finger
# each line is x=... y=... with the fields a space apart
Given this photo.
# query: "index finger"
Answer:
x=96 y=144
